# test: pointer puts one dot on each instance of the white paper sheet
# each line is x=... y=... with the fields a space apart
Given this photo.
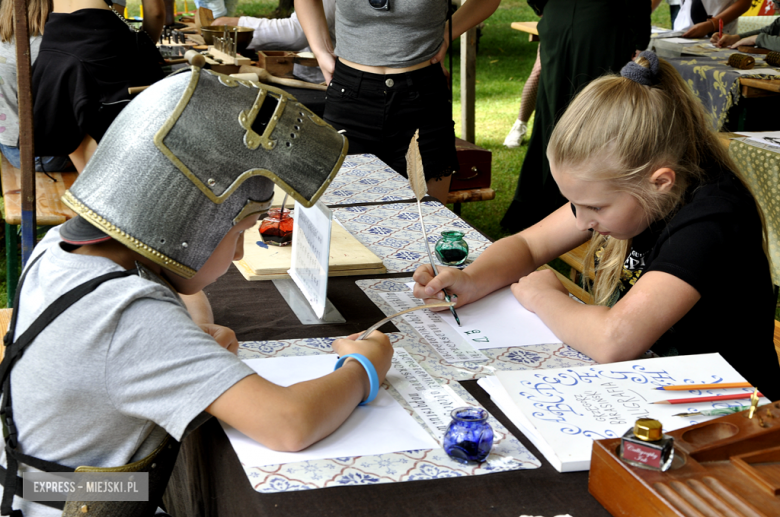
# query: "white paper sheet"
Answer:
x=381 y=427
x=758 y=71
x=685 y=41
x=497 y=321
x=563 y=410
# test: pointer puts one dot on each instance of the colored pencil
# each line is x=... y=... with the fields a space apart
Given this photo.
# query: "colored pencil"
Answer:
x=721 y=385
x=716 y=398
x=720 y=25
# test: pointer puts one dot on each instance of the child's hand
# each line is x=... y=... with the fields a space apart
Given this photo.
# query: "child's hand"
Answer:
x=224 y=336
x=725 y=41
x=429 y=287
x=529 y=289
x=376 y=348
x=700 y=30
x=749 y=41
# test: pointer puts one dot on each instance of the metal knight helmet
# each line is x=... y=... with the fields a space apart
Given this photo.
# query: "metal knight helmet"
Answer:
x=194 y=154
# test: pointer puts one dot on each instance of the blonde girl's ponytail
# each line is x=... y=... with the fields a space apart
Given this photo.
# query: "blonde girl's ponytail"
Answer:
x=620 y=129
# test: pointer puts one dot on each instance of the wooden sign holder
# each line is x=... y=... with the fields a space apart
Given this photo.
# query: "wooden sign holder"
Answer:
x=729 y=466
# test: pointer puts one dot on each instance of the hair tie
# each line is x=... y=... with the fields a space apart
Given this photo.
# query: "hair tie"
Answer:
x=647 y=76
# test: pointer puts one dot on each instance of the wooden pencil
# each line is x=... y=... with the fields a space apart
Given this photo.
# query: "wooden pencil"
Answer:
x=721 y=385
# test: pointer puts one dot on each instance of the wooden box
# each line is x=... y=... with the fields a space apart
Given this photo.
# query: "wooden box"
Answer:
x=276 y=62
x=729 y=466
x=475 y=164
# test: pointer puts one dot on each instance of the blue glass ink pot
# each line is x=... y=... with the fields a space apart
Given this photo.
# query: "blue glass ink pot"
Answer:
x=451 y=249
x=469 y=436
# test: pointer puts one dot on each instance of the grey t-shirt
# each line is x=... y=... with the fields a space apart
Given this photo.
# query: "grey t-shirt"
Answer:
x=411 y=32
x=103 y=382
x=9 y=104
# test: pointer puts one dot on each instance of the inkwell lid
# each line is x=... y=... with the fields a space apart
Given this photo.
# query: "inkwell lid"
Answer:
x=648 y=429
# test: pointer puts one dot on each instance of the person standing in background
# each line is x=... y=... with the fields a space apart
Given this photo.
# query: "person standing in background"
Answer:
x=37 y=13
x=581 y=40
x=385 y=79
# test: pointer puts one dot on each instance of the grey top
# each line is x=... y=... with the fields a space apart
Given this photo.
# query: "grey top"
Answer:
x=411 y=32
x=9 y=105
x=768 y=37
x=103 y=383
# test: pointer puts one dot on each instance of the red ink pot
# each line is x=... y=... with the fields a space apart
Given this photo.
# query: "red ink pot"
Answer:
x=277 y=228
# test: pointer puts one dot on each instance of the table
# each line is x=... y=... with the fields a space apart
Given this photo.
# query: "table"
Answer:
x=736 y=101
x=209 y=480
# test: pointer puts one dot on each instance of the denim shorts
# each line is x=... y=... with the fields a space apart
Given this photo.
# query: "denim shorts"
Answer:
x=380 y=114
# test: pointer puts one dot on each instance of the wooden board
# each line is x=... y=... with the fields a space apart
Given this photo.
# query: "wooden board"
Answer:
x=49 y=208
x=750 y=49
x=347 y=257
x=728 y=466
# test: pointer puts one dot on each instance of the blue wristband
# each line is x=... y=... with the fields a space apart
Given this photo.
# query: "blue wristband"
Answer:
x=370 y=370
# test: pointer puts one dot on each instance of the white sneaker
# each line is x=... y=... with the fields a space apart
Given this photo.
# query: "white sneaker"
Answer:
x=516 y=134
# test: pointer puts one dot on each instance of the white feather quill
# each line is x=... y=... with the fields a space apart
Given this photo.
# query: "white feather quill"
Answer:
x=416 y=174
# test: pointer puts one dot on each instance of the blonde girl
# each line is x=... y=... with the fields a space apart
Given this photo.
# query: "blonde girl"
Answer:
x=677 y=237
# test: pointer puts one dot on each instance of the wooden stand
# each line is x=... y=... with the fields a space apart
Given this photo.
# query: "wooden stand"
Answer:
x=729 y=466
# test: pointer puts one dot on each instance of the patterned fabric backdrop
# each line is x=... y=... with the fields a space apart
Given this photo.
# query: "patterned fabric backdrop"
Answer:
x=760 y=165
x=714 y=81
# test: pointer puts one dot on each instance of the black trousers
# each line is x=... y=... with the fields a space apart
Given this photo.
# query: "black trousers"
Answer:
x=380 y=114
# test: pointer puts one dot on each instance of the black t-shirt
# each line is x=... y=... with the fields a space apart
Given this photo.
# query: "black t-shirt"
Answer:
x=714 y=244
x=87 y=61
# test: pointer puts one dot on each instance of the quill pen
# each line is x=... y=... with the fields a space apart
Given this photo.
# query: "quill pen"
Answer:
x=414 y=169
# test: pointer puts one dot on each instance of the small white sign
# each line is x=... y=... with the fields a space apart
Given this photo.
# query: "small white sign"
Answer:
x=310 y=253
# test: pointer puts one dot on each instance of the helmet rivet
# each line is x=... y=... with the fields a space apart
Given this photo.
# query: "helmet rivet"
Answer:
x=183 y=244
x=211 y=182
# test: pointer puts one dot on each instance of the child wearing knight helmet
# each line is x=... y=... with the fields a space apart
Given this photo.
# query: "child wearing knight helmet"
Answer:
x=667 y=216
x=162 y=213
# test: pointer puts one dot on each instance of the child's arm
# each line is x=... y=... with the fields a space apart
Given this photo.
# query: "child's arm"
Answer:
x=728 y=15
x=292 y=418
x=504 y=261
x=656 y=302
x=311 y=15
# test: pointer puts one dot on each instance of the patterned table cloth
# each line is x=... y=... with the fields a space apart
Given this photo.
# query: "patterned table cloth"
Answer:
x=394 y=234
x=715 y=82
x=760 y=166
x=364 y=178
x=507 y=453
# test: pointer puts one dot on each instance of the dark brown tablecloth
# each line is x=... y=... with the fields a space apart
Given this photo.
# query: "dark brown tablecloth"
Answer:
x=208 y=479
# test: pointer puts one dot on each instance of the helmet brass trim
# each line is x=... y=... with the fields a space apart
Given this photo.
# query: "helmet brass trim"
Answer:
x=129 y=241
x=251 y=138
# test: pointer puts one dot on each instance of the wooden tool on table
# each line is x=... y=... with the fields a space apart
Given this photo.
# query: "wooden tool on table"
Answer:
x=414 y=169
x=264 y=77
x=727 y=466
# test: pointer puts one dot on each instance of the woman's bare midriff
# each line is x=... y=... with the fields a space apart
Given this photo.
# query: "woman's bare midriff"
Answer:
x=384 y=70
